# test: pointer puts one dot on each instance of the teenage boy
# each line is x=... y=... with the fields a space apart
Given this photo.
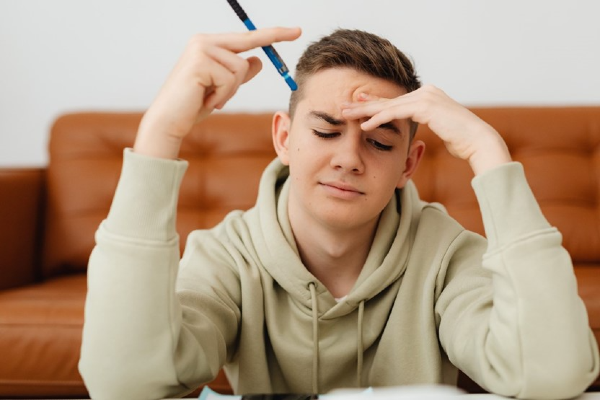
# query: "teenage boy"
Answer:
x=340 y=276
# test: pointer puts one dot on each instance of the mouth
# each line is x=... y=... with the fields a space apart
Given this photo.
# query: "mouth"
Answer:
x=341 y=190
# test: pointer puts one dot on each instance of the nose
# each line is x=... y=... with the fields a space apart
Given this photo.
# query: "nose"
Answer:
x=347 y=156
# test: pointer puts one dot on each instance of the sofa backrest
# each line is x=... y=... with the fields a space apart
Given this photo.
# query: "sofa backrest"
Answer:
x=226 y=155
x=559 y=148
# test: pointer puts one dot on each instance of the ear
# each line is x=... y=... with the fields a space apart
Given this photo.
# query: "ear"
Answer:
x=281 y=135
x=415 y=153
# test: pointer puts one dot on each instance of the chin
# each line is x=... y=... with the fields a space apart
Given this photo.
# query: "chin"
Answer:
x=346 y=221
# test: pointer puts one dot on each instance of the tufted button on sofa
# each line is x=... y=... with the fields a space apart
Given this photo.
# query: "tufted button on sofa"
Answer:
x=49 y=215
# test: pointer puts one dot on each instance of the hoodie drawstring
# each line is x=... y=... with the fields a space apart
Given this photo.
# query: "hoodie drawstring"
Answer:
x=315 y=318
x=359 y=340
x=359 y=344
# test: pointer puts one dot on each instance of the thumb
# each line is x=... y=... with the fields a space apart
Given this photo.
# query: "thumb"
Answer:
x=255 y=65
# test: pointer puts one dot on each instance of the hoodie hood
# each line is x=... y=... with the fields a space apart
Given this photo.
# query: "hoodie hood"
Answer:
x=274 y=241
x=384 y=266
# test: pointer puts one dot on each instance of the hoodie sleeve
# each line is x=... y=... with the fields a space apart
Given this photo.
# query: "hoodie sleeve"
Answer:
x=527 y=333
x=136 y=343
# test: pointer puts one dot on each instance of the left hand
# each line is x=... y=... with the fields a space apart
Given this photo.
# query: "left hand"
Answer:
x=465 y=135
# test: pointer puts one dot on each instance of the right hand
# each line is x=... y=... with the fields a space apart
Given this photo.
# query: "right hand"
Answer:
x=207 y=75
x=465 y=135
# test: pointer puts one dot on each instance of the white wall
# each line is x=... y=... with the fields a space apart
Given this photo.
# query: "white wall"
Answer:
x=75 y=55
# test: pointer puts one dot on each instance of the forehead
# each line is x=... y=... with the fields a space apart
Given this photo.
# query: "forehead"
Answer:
x=330 y=88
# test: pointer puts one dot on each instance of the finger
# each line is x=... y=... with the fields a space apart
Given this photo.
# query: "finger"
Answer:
x=240 y=42
x=237 y=65
x=408 y=110
x=230 y=60
x=364 y=109
x=380 y=111
x=378 y=119
x=222 y=81
x=362 y=97
x=254 y=67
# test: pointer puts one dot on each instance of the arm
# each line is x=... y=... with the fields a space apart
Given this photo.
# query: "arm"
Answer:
x=140 y=338
x=207 y=75
x=527 y=336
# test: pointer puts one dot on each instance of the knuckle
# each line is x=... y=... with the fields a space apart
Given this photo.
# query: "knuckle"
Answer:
x=197 y=39
x=229 y=80
x=249 y=35
x=199 y=42
x=429 y=88
x=434 y=91
x=240 y=65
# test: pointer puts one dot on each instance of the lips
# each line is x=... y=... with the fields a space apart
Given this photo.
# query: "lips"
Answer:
x=341 y=189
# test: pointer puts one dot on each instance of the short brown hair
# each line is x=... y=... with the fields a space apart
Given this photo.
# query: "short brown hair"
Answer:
x=361 y=51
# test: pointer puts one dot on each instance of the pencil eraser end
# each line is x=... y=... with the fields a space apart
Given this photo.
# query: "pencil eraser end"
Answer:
x=291 y=83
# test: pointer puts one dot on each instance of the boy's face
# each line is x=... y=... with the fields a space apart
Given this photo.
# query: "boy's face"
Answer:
x=342 y=176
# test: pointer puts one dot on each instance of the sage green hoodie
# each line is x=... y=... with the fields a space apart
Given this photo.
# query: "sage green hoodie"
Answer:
x=431 y=297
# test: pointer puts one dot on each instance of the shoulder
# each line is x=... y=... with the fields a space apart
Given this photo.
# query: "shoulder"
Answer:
x=221 y=237
x=214 y=257
x=441 y=241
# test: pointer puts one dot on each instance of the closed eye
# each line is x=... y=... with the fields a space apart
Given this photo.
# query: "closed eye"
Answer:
x=324 y=135
x=379 y=146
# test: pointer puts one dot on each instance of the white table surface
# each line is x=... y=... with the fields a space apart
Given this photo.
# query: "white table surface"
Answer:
x=433 y=394
x=585 y=396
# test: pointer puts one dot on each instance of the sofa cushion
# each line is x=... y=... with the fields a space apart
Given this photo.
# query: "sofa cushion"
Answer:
x=40 y=327
x=588 y=284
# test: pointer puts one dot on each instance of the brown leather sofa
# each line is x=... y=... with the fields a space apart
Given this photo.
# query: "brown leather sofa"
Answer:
x=48 y=216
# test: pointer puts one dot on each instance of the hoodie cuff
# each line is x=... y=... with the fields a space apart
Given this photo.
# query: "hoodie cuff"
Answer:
x=145 y=202
x=508 y=206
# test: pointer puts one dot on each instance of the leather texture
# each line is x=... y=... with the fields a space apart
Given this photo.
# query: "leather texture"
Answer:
x=21 y=211
x=49 y=215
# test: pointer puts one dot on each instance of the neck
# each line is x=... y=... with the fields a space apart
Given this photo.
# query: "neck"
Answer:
x=334 y=257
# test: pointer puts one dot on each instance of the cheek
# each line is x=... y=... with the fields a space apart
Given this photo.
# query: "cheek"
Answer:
x=296 y=143
x=306 y=151
x=388 y=174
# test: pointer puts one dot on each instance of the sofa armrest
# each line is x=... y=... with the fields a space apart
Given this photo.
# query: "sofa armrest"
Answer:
x=21 y=214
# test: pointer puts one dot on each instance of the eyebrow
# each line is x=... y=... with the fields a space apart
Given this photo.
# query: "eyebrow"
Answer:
x=327 y=118
x=331 y=120
x=389 y=126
